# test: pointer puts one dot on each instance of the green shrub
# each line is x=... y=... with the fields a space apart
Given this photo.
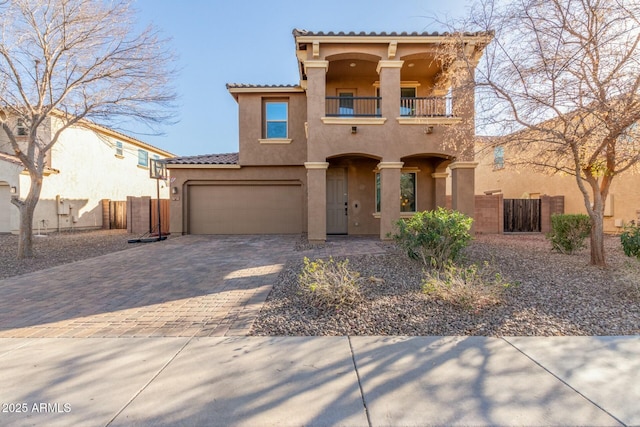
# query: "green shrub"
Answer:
x=569 y=231
x=329 y=284
x=471 y=288
x=630 y=239
x=434 y=237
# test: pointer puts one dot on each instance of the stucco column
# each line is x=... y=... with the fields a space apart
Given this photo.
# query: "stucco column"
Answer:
x=389 y=72
x=440 y=188
x=463 y=104
x=316 y=201
x=463 y=187
x=389 y=196
x=316 y=83
x=316 y=71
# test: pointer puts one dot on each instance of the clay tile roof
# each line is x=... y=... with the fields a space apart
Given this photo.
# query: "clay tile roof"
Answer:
x=205 y=159
x=252 y=86
x=300 y=32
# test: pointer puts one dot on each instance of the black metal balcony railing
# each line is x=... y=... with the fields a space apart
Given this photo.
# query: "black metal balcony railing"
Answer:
x=353 y=106
x=426 y=107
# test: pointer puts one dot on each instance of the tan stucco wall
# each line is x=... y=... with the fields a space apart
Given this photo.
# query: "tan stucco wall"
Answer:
x=623 y=202
x=255 y=151
x=361 y=145
x=88 y=170
x=364 y=67
x=182 y=178
x=363 y=219
x=388 y=139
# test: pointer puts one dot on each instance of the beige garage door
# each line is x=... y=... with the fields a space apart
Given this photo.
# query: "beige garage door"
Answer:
x=245 y=209
x=5 y=208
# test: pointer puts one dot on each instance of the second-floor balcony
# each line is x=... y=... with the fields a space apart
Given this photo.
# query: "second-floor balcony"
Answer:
x=353 y=106
x=369 y=106
x=435 y=106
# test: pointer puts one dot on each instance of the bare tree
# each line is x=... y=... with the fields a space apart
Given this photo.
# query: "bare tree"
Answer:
x=66 y=62
x=562 y=79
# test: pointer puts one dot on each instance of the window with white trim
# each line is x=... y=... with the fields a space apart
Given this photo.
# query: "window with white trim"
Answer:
x=119 y=148
x=143 y=158
x=276 y=115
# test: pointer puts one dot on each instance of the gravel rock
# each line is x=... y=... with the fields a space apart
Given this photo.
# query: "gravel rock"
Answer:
x=59 y=248
x=556 y=294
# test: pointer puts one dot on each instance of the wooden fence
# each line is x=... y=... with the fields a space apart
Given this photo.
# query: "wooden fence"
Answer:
x=164 y=215
x=137 y=215
x=117 y=215
x=522 y=215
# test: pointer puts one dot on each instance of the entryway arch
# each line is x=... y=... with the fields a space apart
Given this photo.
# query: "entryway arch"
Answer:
x=350 y=200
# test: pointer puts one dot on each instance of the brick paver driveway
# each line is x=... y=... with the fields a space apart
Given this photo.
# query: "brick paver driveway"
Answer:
x=185 y=286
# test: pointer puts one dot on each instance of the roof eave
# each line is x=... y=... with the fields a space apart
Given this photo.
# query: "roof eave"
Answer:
x=88 y=124
x=202 y=166
x=236 y=90
x=435 y=37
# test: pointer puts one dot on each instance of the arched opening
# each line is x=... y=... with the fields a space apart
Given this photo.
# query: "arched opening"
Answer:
x=351 y=194
x=351 y=85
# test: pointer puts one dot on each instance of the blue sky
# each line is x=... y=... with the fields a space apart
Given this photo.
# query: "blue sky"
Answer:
x=219 y=42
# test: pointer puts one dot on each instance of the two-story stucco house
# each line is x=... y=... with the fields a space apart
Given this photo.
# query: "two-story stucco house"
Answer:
x=372 y=132
x=87 y=164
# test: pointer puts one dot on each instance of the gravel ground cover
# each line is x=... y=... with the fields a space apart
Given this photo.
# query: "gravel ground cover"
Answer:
x=556 y=294
x=59 y=248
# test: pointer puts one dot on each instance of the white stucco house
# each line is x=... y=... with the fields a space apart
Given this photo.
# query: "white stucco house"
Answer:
x=89 y=163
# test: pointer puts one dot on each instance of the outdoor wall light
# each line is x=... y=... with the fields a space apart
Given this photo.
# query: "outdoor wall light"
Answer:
x=354 y=129
x=13 y=190
x=428 y=130
x=174 y=190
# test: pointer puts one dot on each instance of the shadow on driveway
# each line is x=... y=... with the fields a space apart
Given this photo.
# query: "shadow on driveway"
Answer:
x=206 y=285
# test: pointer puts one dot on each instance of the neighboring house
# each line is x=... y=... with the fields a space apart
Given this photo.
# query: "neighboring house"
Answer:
x=494 y=174
x=88 y=163
x=368 y=136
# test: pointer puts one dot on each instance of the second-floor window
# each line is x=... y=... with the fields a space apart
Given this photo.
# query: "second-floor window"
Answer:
x=143 y=158
x=276 y=115
x=498 y=157
x=119 y=148
x=21 y=128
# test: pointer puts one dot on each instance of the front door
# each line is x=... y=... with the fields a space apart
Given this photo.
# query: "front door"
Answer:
x=337 y=201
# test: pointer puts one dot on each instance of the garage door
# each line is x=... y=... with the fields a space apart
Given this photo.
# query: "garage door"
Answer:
x=5 y=209
x=246 y=208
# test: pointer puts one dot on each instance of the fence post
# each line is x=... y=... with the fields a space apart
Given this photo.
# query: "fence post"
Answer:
x=105 y=214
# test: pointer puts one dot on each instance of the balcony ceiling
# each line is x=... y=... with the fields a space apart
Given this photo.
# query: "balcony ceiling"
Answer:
x=412 y=70
x=352 y=68
x=419 y=69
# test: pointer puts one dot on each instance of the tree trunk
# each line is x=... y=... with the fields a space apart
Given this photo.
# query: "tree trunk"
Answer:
x=27 y=208
x=25 y=241
x=597 y=240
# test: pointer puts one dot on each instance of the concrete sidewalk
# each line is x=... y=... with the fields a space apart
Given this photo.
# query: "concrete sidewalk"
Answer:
x=291 y=381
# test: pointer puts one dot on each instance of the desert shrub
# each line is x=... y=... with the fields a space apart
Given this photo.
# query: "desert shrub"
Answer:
x=329 y=284
x=469 y=287
x=568 y=232
x=628 y=278
x=630 y=239
x=434 y=237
